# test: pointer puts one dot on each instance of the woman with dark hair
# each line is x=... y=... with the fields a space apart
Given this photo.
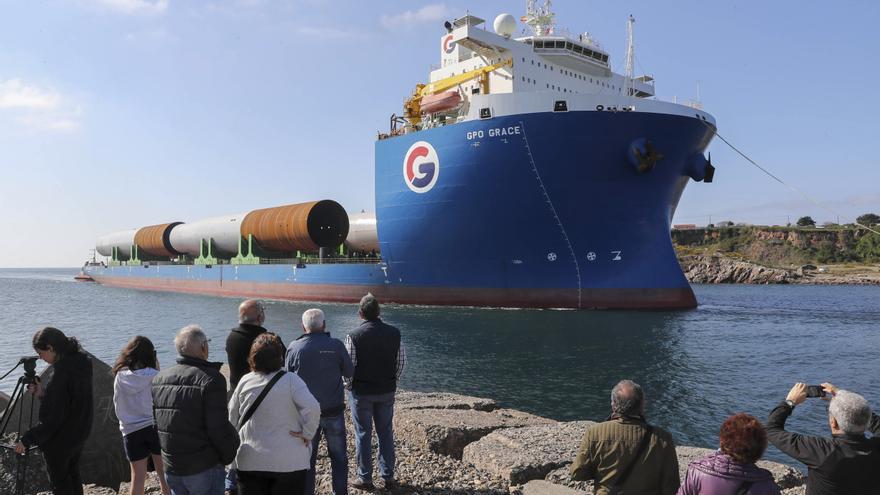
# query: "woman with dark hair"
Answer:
x=275 y=436
x=134 y=371
x=731 y=470
x=66 y=410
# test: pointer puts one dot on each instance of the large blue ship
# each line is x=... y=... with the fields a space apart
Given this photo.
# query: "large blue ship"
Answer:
x=525 y=173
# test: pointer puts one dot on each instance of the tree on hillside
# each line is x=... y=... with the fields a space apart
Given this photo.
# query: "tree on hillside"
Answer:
x=806 y=222
x=869 y=219
x=868 y=247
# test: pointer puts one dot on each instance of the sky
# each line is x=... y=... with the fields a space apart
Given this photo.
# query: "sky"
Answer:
x=116 y=114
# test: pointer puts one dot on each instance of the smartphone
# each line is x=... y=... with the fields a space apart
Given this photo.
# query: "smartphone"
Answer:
x=815 y=391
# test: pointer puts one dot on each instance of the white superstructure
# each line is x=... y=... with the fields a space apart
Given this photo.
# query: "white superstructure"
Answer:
x=542 y=68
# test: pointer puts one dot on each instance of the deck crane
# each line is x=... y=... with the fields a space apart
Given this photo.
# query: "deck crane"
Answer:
x=412 y=108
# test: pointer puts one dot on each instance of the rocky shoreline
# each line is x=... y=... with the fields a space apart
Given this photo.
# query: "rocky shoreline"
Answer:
x=455 y=444
x=721 y=269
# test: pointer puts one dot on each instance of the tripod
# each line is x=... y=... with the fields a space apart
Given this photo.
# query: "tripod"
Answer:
x=18 y=396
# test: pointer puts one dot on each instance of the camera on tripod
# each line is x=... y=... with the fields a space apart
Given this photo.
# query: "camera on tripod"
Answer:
x=24 y=423
x=30 y=369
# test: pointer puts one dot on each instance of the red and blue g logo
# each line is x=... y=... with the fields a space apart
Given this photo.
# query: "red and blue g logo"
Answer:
x=448 y=44
x=421 y=167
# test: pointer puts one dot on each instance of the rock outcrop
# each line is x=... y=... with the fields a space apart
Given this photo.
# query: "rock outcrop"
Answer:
x=522 y=454
x=719 y=269
x=447 y=429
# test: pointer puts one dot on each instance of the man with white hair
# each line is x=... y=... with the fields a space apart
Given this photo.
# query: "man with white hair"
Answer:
x=848 y=462
x=322 y=361
x=189 y=405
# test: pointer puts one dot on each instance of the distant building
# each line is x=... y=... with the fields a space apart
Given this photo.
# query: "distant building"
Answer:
x=684 y=226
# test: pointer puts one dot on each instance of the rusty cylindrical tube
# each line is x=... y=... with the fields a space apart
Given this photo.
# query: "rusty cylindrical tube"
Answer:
x=155 y=239
x=304 y=226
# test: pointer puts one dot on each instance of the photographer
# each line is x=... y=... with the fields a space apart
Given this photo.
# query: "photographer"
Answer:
x=65 y=417
x=848 y=462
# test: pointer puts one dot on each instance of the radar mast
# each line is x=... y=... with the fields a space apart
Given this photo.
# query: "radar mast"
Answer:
x=540 y=19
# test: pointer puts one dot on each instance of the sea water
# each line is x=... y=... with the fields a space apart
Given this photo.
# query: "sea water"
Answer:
x=739 y=351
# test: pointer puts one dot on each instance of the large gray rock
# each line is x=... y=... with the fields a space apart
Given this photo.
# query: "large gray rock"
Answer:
x=448 y=431
x=785 y=476
x=541 y=487
x=103 y=460
x=441 y=400
x=530 y=453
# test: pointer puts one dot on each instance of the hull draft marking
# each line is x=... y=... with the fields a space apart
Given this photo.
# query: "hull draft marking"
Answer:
x=577 y=268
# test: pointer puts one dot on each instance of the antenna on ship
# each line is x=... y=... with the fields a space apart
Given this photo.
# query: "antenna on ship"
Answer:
x=540 y=19
x=630 y=56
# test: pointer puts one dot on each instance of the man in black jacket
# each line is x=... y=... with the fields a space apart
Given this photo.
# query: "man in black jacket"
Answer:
x=848 y=462
x=379 y=357
x=189 y=404
x=251 y=316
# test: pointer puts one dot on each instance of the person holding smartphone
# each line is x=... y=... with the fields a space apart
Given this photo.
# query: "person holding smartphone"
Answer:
x=849 y=461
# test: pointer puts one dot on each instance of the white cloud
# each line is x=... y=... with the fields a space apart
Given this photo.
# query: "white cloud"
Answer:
x=38 y=109
x=428 y=13
x=51 y=123
x=133 y=6
x=16 y=94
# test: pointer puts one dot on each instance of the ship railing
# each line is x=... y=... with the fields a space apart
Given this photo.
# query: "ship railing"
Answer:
x=322 y=261
x=359 y=260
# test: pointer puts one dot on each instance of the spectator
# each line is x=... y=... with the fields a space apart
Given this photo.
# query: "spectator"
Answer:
x=251 y=315
x=848 y=462
x=275 y=437
x=66 y=410
x=731 y=470
x=134 y=371
x=189 y=405
x=379 y=358
x=626 y=453
x=322 y=361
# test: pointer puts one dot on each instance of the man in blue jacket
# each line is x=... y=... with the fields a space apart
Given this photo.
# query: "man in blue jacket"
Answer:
x=322 y=362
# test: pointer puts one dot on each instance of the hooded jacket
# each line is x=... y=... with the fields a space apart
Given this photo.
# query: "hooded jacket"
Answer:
x=719 y=474
x=66 y=408
x=132 y=399
x=189 y=404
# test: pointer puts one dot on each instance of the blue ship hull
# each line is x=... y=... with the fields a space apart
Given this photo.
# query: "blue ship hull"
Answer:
x=533 y=210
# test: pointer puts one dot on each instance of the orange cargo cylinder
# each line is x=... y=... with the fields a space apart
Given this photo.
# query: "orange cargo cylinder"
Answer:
x=155 y=239
x=304 y=226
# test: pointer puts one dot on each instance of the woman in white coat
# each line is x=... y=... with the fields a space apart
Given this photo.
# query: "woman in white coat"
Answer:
x=276 y=437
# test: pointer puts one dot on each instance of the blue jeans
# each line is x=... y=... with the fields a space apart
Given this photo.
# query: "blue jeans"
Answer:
x=231 y=482
x=333 y=428
x=208 y=482
x=366 y=410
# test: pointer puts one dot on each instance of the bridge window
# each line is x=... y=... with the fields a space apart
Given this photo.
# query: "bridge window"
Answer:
x=539 y=44
x=568 y=45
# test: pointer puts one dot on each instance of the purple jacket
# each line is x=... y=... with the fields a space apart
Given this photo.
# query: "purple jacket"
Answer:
x=718 y=474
